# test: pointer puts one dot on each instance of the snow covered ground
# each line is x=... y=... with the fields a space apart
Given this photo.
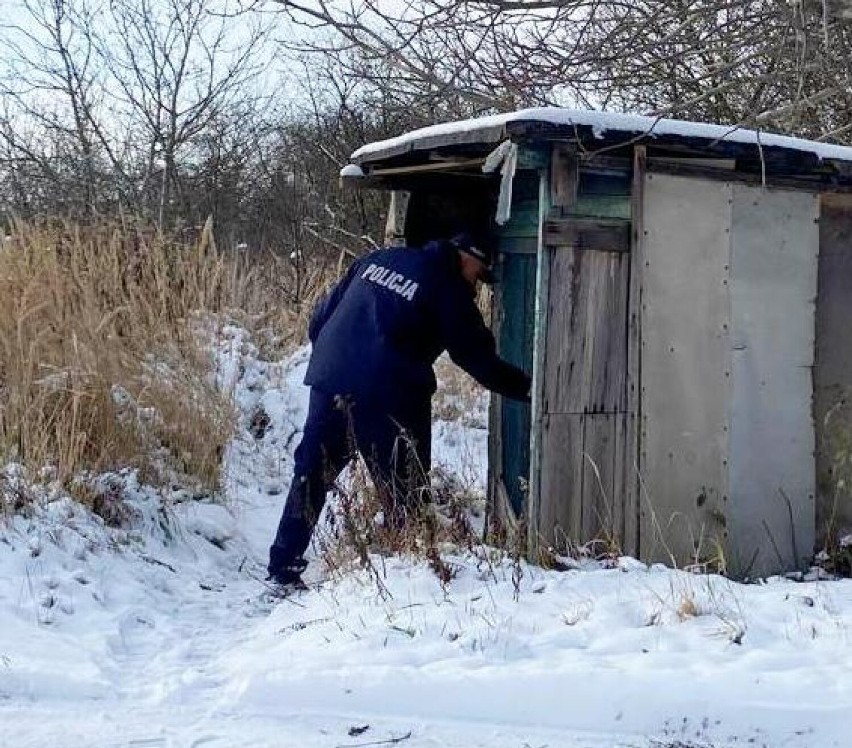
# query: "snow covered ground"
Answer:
x=158 y=634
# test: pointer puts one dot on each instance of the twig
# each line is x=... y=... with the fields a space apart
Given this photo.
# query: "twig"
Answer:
x=774 y=544
x=389 y=741
x=276 y=592
x=786 y=498
x=157 y=562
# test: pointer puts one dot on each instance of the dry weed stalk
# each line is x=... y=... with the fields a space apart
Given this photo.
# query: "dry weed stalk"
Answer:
x=101 y=363
x=362 y=527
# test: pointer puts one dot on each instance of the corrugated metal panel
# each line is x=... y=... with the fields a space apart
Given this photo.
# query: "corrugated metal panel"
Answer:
x=774 y=246
x=833 y=372
x=685 y=367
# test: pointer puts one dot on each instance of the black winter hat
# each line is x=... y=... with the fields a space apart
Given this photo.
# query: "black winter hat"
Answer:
x=476 y=245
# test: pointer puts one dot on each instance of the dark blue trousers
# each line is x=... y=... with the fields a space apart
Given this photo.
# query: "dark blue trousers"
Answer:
x=395 y=442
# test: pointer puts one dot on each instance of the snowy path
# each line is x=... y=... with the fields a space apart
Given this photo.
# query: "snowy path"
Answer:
x=160 y=637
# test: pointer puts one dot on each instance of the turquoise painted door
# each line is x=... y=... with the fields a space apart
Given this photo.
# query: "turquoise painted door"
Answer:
x=515 y=307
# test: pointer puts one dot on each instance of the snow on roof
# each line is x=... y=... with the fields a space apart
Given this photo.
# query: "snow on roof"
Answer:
x=495 y=127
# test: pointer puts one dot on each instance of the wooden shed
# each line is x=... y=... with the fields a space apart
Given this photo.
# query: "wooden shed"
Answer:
x=682 y=294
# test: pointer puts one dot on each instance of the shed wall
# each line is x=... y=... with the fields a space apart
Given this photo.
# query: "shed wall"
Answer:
x=685 y=358
x=770 y=509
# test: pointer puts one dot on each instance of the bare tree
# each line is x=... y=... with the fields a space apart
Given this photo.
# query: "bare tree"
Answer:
x=760 y=62
x=108 y=103
x=50 y=89
x=180 y=66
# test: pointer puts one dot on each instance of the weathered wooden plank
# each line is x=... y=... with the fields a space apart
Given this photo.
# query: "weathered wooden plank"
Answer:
x=461 y=164
x=495 y=508
x=542 y=296
x=599 y=457
x=587 y=346
x=559 y=190
x=397 y=211
x=518 y=245
x=833 y=370
x=602 y=206
x=516 y=292
x=584 y=371
x=591 y=235
x=561 y=484
x=534 y=158
x=512 y=309
x=608 y=331
x=585 y=387
x=566 y=341
x=523 y=223
x=564 y=176
x=611 y=182
x=623 y=488
x=724 y=175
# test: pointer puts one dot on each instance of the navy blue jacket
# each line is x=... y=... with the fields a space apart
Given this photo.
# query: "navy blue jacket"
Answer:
x=378 y=332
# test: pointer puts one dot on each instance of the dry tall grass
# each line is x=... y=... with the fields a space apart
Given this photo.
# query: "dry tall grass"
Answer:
x=101 y=363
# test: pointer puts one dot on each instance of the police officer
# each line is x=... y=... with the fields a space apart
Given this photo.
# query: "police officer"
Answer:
x=375 y=338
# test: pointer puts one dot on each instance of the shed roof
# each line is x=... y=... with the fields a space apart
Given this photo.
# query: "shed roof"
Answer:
x=609 y=128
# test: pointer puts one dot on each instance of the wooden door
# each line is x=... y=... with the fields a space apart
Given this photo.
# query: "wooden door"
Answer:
x=513 y=309
x=585 y=453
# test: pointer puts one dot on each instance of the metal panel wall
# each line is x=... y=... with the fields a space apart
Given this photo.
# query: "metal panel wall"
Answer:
x=774 y=246
x=685 y=363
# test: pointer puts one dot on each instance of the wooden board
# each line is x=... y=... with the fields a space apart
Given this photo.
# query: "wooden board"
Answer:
x=561 y=480
x=516 y=299
x=585 y=368
x=585 y=234
x=514 y=319
x=599 y=460
x=584 y=380
x=395 y=224
x=557 y=192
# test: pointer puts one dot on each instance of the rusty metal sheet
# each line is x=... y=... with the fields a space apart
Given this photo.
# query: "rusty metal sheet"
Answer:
x=774 y=249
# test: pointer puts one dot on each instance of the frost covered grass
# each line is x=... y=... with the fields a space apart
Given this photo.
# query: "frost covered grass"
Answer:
x=105 y=360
